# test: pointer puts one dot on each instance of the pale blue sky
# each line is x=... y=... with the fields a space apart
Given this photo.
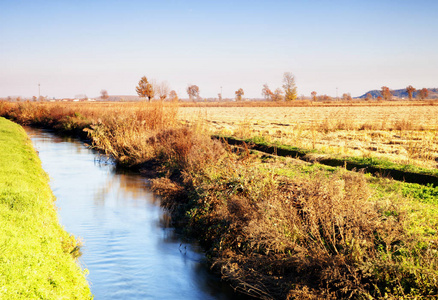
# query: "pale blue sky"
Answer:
x=81 y=47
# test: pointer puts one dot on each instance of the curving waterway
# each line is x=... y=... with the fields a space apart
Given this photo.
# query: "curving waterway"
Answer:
x=128 y=250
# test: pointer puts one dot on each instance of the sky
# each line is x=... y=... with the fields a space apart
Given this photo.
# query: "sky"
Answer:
x=332 y=47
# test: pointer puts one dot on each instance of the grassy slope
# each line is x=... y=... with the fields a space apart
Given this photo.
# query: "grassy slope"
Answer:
x=35 y=259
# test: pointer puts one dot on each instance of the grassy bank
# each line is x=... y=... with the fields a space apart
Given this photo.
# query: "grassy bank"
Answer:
x=36 y=254
x=274 y=227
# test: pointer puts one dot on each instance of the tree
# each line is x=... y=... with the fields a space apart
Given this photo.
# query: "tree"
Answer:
x=145 y=89
x=313 y=95
x=346 y=97
x=386 y=93
x=423 y=93
x=239 y=93
x=410 y=90
x=193 y=91
x=368 y=96
x=104 y=94
x=290 y=89
x=162 y=90
x=219 y=96
x=278 y=95
x=266 y=92
x=173 y=96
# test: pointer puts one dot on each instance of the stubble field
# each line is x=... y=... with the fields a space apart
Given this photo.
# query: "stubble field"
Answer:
x=403 y=134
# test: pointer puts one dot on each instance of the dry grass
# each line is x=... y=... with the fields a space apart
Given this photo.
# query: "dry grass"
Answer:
x=271 y=236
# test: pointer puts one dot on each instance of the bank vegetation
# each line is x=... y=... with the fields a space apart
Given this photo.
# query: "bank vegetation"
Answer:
x=37 y=256
x=273 y=227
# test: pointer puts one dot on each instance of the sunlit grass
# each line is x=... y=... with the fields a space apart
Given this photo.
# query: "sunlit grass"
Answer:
x=36 y=254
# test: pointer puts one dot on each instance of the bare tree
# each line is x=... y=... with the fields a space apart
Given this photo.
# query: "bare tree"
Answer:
x=145 y=88
x=266 y=92
x=162 y=90
x=104 y=94
x=289 y=86
x=386 y=93
x=193 y=92
x=410 y=90
x=423 y=93
x=368 y=96
x=239 y=93
x=278 y=95
x=173 y=96
x=219 y=96
x=314 y=95
x=346 y=97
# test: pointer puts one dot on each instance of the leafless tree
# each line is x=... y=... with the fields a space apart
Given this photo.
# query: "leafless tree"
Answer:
x=368 y=96
x=386 y=93
x=423 y=93
x=239 y=93
x=314 y=95
x=410 y=90
x=193 y=92
x=266 y=92
x=346 y=97
x=104 y=94
x=173 y=96
x=162 y=90
x=278 y=95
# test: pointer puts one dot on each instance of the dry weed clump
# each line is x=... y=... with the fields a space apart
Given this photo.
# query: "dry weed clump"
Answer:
x=274 y=237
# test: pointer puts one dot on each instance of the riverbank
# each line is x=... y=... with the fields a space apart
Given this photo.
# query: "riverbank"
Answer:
x=276 y=228
x=37 y=256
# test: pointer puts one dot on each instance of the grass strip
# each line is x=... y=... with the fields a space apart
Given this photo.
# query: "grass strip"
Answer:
x=406 y=173
x=37 y=256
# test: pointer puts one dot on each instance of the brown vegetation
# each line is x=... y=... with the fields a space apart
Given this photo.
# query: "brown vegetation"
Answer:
x=310 y=235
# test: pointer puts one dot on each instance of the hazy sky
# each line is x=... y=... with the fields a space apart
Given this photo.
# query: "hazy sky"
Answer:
x=82 y=47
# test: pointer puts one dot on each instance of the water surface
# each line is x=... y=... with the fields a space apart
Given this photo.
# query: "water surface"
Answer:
x=127 y=248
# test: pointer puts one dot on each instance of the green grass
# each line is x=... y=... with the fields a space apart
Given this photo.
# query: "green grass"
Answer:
x=36 y=253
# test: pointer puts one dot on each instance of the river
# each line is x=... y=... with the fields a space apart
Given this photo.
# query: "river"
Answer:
x=128 y=249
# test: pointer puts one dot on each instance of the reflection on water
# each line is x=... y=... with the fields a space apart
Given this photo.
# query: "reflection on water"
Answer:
x=128 y=251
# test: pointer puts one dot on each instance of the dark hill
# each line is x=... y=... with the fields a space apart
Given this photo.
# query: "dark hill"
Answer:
x=401 y=93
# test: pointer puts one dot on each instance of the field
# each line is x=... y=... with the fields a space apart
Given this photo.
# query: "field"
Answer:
x=403 y=134
x=278 y=227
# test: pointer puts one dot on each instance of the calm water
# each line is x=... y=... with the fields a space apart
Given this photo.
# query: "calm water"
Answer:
x=128 y=250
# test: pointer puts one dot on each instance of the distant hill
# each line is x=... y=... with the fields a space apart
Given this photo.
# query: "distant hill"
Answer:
x=401 y=93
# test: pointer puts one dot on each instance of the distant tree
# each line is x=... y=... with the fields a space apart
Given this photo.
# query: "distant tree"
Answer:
x=193 y=92
x=346 y=97
x=104 y=94
x=162 y=90
x=368 y=96
x=410 y=90
x=266 y=92
x=145 y=89
x=313 y=96
x=386 y=93
x=219 y=96
x=290 y=89
x=423 y=93
x=239 y=93
x=34 y=98
x=278 y=95
x=173 y=96
x=325 y=98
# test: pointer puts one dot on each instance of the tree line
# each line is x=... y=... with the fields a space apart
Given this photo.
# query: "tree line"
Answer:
x=150 y=89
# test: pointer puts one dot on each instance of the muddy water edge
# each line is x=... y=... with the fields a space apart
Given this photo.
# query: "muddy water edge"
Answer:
x=128 y=249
